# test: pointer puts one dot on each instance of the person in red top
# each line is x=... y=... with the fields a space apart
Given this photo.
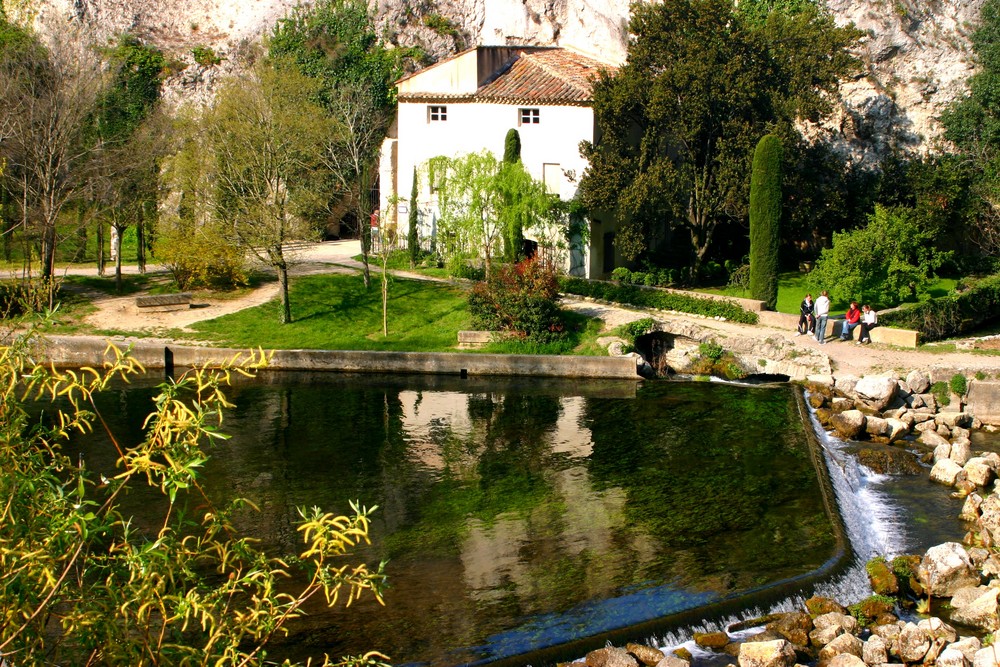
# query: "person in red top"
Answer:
x=851 y=319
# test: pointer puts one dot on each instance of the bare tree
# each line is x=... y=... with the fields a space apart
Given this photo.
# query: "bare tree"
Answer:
x=48 y=151
x=268 y=138
x=353 y=154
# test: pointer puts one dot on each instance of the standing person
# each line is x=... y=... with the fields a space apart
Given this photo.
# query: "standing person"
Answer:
x=821 y=309
x=807 y=323
x=852 y=318
x=869 y=320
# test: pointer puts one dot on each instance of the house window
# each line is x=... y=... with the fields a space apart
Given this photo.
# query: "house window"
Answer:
x=527 y=116
x=437 y=113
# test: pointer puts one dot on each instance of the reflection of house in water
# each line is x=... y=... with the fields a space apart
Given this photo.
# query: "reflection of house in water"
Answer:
x=573 y=519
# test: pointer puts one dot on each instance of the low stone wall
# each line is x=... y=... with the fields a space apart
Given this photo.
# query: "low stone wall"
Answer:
x=885 y=335
x=75 y=351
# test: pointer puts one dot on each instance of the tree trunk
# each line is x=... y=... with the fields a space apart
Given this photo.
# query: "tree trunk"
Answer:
x=100 y=248
x=286 y=306
x=140 y=240
x=385 y=295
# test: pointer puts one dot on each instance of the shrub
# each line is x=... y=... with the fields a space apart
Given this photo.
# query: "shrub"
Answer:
x=205 y=56
x=632 y=330
x=645 y=297
x=765 y=220
x=958 y=384
x=80 y=576
x=521 y=299
x=200 y=258
x=941 y=392
x=950 y=315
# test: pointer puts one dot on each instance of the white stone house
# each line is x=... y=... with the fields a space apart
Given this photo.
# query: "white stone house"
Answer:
x=468 y=103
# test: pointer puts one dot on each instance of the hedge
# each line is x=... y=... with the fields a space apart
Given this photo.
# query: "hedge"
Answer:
x=951 y=315
x=647 y=297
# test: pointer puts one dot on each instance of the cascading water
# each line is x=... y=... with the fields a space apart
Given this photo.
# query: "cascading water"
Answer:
x=872 y=528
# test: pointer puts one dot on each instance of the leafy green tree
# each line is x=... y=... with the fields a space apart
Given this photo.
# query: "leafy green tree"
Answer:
x=81 y=582
x=413 y=220
x=512 y=146
x=268 y=140
x=765 y=220
x=678 y=122
x=479 y=199
x=890 y=260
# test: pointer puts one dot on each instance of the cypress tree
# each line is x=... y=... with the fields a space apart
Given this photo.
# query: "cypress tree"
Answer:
x=412 y=236
x=765 y=220
x=514 y=234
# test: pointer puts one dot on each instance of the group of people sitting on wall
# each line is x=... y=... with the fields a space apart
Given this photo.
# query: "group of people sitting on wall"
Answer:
x=813 y=316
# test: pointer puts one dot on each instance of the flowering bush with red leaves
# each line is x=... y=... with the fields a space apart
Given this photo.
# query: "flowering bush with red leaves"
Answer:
x=520 y=300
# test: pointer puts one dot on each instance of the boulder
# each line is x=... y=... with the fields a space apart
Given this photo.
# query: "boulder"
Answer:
x=989 y=517
x=831 y=625
x=849 y=424
x=988 y=656
x=938 y=629
x=875 y=651
x=818 y=605
x=794 y=626
x=610 y=656
x=953 y=419
x=951 y=657
x=840 y=404
x=898 y=429
x=889 y=461
x=970 y=508
x=877 y=391
x=778 y=653
x=841 y=644
x=912 y=644
x=976 y=607
x=845 y=384
x=931 y=438
x=918 y=381
x=673 y=661
x=943 y=451
x=961 y=450
x=946 y=472
x=978 y=472
x=843 y=660
x=968 y=646
x=945 y=568
x=646 y=655
x=714 y=640
x=877 y=427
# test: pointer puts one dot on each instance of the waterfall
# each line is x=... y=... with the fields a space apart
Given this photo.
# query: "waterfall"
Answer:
x=871 y=528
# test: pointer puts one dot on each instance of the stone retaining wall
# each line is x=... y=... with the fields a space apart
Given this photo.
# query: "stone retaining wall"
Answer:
x=880 y=334
x=91 y=351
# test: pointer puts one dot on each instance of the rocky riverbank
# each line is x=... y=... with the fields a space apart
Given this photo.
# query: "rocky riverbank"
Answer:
x=959 y=582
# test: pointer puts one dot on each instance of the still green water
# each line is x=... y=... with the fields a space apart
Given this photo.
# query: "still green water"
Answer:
x=521 y=515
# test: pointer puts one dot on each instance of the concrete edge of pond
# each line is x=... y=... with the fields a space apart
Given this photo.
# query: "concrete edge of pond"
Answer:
x=840 y=560
x=76 y=351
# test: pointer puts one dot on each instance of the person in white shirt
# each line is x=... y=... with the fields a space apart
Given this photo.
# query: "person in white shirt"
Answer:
x=821 y=309
x=869 y=319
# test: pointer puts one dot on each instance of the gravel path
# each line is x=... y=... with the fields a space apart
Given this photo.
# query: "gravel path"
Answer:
x=120 y=314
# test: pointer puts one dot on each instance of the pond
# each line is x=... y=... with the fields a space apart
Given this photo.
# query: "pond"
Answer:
x=524 y=520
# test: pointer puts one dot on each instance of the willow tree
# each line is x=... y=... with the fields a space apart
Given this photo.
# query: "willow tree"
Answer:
x=269 y=140
x=679 y=120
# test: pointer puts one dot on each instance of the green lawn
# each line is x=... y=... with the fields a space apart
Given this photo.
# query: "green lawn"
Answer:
x=792 y=289
x=336 y=312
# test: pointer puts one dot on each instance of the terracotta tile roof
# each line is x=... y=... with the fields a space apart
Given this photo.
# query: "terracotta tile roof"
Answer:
x=544 y=76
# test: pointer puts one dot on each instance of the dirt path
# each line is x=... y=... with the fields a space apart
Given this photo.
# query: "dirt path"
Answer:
x=120 y=314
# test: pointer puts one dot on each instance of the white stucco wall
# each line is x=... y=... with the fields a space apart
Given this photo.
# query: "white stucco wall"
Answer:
x=474 y=126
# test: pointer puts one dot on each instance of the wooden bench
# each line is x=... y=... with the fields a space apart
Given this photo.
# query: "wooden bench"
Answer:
x=154 y=303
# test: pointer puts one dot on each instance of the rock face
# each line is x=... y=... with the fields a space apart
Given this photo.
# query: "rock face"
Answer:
x=916 y=57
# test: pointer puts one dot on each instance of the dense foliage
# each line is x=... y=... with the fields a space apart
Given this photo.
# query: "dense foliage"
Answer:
x=679 y=121
x=951 y=315
x=520 y=300
x=765 y=220
x=645 y=297
x=890 y=260
x=82 y=582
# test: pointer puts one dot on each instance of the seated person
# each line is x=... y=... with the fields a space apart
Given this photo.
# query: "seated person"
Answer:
x=851 y=319
x=869 y=320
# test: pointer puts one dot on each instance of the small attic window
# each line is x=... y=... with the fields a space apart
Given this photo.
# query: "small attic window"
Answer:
x=437 y=113
x=527 y=116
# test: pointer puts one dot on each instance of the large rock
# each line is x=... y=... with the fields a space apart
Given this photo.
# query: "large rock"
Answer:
x=647 y=655
x=877 y=427
x=831 y=625
x=843 y=660
x=794 y=626
x=889 y=461
x=611 y=657
x=988 y=656
x=932 y=439
x=978 y=472
x=849 y=424
x=841 y=644
x=777 y=653
x=946 y=568
x=946 y=472
x=912 y=644
x=961 y=451
x=875 y=651
x=918 y=382
x=976 y=607
x=951 y=658
x=877 y=391
x=989 y=517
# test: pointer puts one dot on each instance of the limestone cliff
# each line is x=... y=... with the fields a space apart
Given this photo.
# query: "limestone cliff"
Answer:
x=917 y=54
